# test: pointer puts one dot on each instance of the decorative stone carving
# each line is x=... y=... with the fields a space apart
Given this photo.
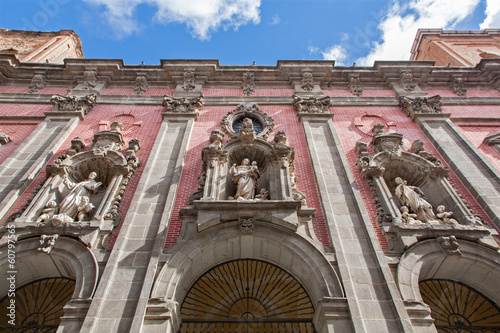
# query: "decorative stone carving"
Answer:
x=47 y=243
x=37 y=82
x=312 y=104
x=413 y=198
x=216 y=137
x=73 y=103
x=49 y=211
x=354 y=85
x=263 y=195
x=494 y=141
x=245 y=176
x=141 y=84
x=4 y=139
x=233 y=119
x=445 y=216
x=417 y=148
x=457 y=86
x=90 y=79
x=189 y=80
x=408 y=217
x=246 y=225
x=77 y=145
x=307 y=82
x=248 y=85
x=412 y=106
x=406 y=81
x=182 y=105
x=389 y=142
x=105 y=141
x=449 y=245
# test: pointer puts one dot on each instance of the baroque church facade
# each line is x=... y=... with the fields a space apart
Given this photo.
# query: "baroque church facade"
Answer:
x=197 y=197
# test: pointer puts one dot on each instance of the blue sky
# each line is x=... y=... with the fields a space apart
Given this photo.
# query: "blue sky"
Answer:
x=239 y=32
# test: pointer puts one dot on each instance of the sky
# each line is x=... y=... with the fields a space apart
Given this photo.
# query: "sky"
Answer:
x=240 y=32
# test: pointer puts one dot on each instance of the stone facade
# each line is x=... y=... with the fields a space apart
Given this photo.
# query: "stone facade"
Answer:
x=359 y=183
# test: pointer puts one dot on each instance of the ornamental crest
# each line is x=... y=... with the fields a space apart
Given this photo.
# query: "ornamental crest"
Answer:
x=312 y=104
x=415 y=105
x=73 y=103
x=182 y=105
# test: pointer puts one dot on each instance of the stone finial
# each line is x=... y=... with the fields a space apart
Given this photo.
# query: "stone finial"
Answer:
x=77 y=145
x=189 y=80
x=406 y=81
x=312 y=104
x=248 y=85
x=412 y=106
x=216 y=137
x=37 y=82
x=307 y=81
x=457 y=86
x=354 y=85
x=378 y=129
x=280 y=139
x=90 y=79
x=141 y=84
x=47 y=243
x=182 y=105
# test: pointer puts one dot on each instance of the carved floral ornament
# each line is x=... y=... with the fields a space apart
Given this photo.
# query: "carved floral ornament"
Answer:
x=73 y=103
x=312 y=104
x=354 y=85
x=248 y=85
x=182 y=104
x=412 y=106
x=412 y=193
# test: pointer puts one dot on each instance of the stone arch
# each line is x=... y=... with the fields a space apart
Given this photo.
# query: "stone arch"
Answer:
x=276 y=245
x=476 y=266
x=68 y=258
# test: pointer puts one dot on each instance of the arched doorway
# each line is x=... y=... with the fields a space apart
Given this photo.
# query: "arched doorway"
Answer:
x=247 y=295
x=38 y=305
x=456 y=307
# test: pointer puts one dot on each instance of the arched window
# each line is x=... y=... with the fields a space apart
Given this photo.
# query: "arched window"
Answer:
x=247 y=296
x=457 y=307
x=38 y=305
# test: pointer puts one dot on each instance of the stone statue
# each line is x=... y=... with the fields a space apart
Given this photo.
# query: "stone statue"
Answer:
x=414 y=199
x=84 y=209
x=408 y=217
x=47 y=212
x=71 y=204
x=445 y=216
x=263 y=195
x=245 y=177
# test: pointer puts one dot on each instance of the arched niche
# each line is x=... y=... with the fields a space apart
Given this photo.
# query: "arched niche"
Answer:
x=98 y=175
x=472 y=264
x=421 y=176
x=276 y=245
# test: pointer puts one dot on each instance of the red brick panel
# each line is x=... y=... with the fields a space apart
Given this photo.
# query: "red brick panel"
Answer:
x=24 y=109
x=365 y=93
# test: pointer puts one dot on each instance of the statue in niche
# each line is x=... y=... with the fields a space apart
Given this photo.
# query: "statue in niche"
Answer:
x=408 y=217
x=77 y=200
x=445 y=216
x=413 y=198
x=245 y=177
x=247 y=133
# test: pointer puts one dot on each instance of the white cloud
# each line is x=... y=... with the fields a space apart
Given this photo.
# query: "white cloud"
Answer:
x=492 y=12
x=313 y=49
x=276 y=19
x=335 y=52
x=201 y=16
x=400 y=25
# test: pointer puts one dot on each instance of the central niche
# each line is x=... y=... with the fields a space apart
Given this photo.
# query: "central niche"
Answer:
x=247 y=296
x=247 y=167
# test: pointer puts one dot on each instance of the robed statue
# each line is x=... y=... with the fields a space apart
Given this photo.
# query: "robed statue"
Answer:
x=245 y=177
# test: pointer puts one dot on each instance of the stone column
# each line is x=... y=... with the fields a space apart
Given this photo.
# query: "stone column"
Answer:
x=121 y=299
x=373 y=300
x=21 y=167
x=480 y=177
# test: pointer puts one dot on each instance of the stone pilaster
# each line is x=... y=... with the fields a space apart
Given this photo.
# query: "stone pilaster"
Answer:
x=121 y=299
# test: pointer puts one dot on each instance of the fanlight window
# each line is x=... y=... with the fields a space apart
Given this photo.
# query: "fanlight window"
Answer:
x=39 y=306
x=456 y=307
x=247 y=296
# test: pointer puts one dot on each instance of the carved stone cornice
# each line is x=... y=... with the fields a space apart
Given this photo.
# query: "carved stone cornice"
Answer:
x=182 y=104
x=429 y=105
x=74 y=103
x=312 y=104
